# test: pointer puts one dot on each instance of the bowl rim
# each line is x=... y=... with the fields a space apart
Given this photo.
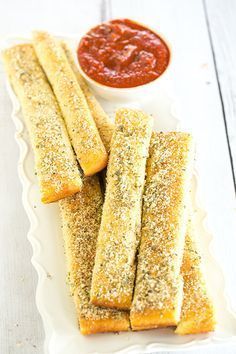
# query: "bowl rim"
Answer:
x=128 y=89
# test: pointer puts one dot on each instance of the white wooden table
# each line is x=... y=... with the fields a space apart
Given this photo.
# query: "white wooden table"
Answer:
x=203 y=36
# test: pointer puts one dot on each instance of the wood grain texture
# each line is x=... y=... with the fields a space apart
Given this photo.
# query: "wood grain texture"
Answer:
x=58 y=16
x=200 y=110
x=184 y=23
x=222 y=29
x=21 y=330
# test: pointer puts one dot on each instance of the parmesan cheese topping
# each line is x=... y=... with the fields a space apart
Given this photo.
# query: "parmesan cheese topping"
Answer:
x=114 y=269
x=81 y=216
x=162 y=234
x=56 y=164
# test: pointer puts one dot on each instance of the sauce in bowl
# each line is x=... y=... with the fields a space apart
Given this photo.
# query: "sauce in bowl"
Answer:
x=122 y=53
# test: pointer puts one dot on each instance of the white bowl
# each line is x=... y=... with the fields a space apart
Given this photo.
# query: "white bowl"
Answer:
x=141 y=92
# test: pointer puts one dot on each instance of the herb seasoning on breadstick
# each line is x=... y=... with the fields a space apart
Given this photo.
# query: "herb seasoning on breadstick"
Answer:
x=56 y=165
x=104 y=124
x=197 y=312
x=81 y=216
x=82 y=129
x=114 y=270
x=158 y=287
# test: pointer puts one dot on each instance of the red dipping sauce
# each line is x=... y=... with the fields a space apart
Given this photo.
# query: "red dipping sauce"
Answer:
x=122 y=53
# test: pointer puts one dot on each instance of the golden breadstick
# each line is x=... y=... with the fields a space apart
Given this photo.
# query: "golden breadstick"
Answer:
x=158 y=289
x=56 y=165
x=81 y=216
x=104 y=124
x=193 y=319
x=114 y=270
x=82 y=129
x=197 y=313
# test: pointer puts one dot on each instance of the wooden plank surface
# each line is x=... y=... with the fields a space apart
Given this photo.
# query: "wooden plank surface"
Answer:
x=222 y=30
x=199 y=108
x=199 y=86
x=21 y=330
x=59 y=16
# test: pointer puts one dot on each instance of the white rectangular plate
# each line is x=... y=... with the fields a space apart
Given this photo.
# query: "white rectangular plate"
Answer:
x=52 y=295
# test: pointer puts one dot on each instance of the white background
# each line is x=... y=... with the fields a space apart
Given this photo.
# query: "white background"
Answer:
x=203 y=35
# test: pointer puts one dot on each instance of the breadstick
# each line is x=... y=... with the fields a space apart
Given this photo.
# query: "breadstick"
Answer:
x=104 y=124
x=81 y=216
x=114 y=270
x=158 y=289
x=197 y=313
x=81 y=127
x=56 y=165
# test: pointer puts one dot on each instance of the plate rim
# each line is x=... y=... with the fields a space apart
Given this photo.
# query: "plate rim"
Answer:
x=23 y=146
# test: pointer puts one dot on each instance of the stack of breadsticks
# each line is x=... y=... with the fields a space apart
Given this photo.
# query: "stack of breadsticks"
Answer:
x=132 y=257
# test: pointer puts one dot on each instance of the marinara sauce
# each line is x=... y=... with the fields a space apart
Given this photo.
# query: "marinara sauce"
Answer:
x=122 y=53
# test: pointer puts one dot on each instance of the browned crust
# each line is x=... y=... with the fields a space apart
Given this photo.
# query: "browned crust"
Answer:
x=81 y=216
x=197 y=314
x=114 y=270
x=158 y=289
x=88 y=326
x=148 y=319
x=85 y=138
x=104 y=124
x=56 y=165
